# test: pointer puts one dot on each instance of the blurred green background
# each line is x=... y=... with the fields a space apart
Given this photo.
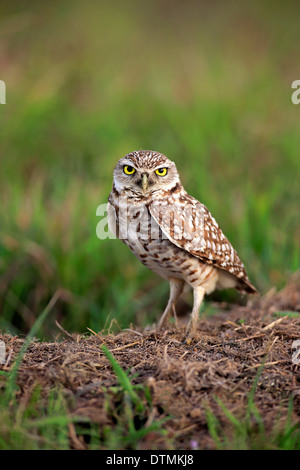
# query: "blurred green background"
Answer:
x=206 y=83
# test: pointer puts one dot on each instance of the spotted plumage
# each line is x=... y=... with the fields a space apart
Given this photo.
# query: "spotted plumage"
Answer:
x=171 y=232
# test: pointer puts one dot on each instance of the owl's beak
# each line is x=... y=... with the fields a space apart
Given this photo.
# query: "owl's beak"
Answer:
x=144 y=182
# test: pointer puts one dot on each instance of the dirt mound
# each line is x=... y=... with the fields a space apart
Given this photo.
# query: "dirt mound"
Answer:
x=244 y=354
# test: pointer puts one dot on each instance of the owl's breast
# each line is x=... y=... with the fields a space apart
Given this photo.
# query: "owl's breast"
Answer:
x=149 y=244
x=141 y=233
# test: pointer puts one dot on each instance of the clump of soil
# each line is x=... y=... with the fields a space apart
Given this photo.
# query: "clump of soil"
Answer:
x=185 y=380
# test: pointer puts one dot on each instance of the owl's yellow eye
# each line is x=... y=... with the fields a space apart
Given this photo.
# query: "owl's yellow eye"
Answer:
x=128 y=170
x=161 y=171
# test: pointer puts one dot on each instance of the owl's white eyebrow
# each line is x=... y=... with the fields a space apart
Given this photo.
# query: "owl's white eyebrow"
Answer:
x=129 y=163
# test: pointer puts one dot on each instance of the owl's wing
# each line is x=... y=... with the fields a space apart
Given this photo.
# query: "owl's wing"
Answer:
x=188 y=224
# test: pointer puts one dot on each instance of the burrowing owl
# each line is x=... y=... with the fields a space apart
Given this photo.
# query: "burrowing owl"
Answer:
x=171 y=232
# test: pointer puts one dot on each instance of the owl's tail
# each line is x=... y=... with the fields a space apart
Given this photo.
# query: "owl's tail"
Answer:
x=245 y=286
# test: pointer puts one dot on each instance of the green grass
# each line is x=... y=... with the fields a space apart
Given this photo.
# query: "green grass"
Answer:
x=248 y=432
x=35 y=426
x=208 y=85
x=42 y=419
x=135 y=405
x=210 y=89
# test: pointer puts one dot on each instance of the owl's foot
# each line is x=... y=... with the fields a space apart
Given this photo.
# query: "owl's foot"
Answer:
x=191 y=331
x=162 y=322
x=193 y=324
x=176 y=288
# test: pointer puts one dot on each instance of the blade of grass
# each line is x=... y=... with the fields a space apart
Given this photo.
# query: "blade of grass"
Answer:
x=236 y=423
x=121 y=375
x=11 y=382
x=213 y=425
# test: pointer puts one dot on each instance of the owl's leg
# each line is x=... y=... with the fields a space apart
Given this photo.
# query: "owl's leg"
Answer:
x=176 y=288
x=199 y=293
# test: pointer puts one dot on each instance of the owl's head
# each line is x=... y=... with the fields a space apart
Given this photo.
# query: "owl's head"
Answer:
x=145 y=172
